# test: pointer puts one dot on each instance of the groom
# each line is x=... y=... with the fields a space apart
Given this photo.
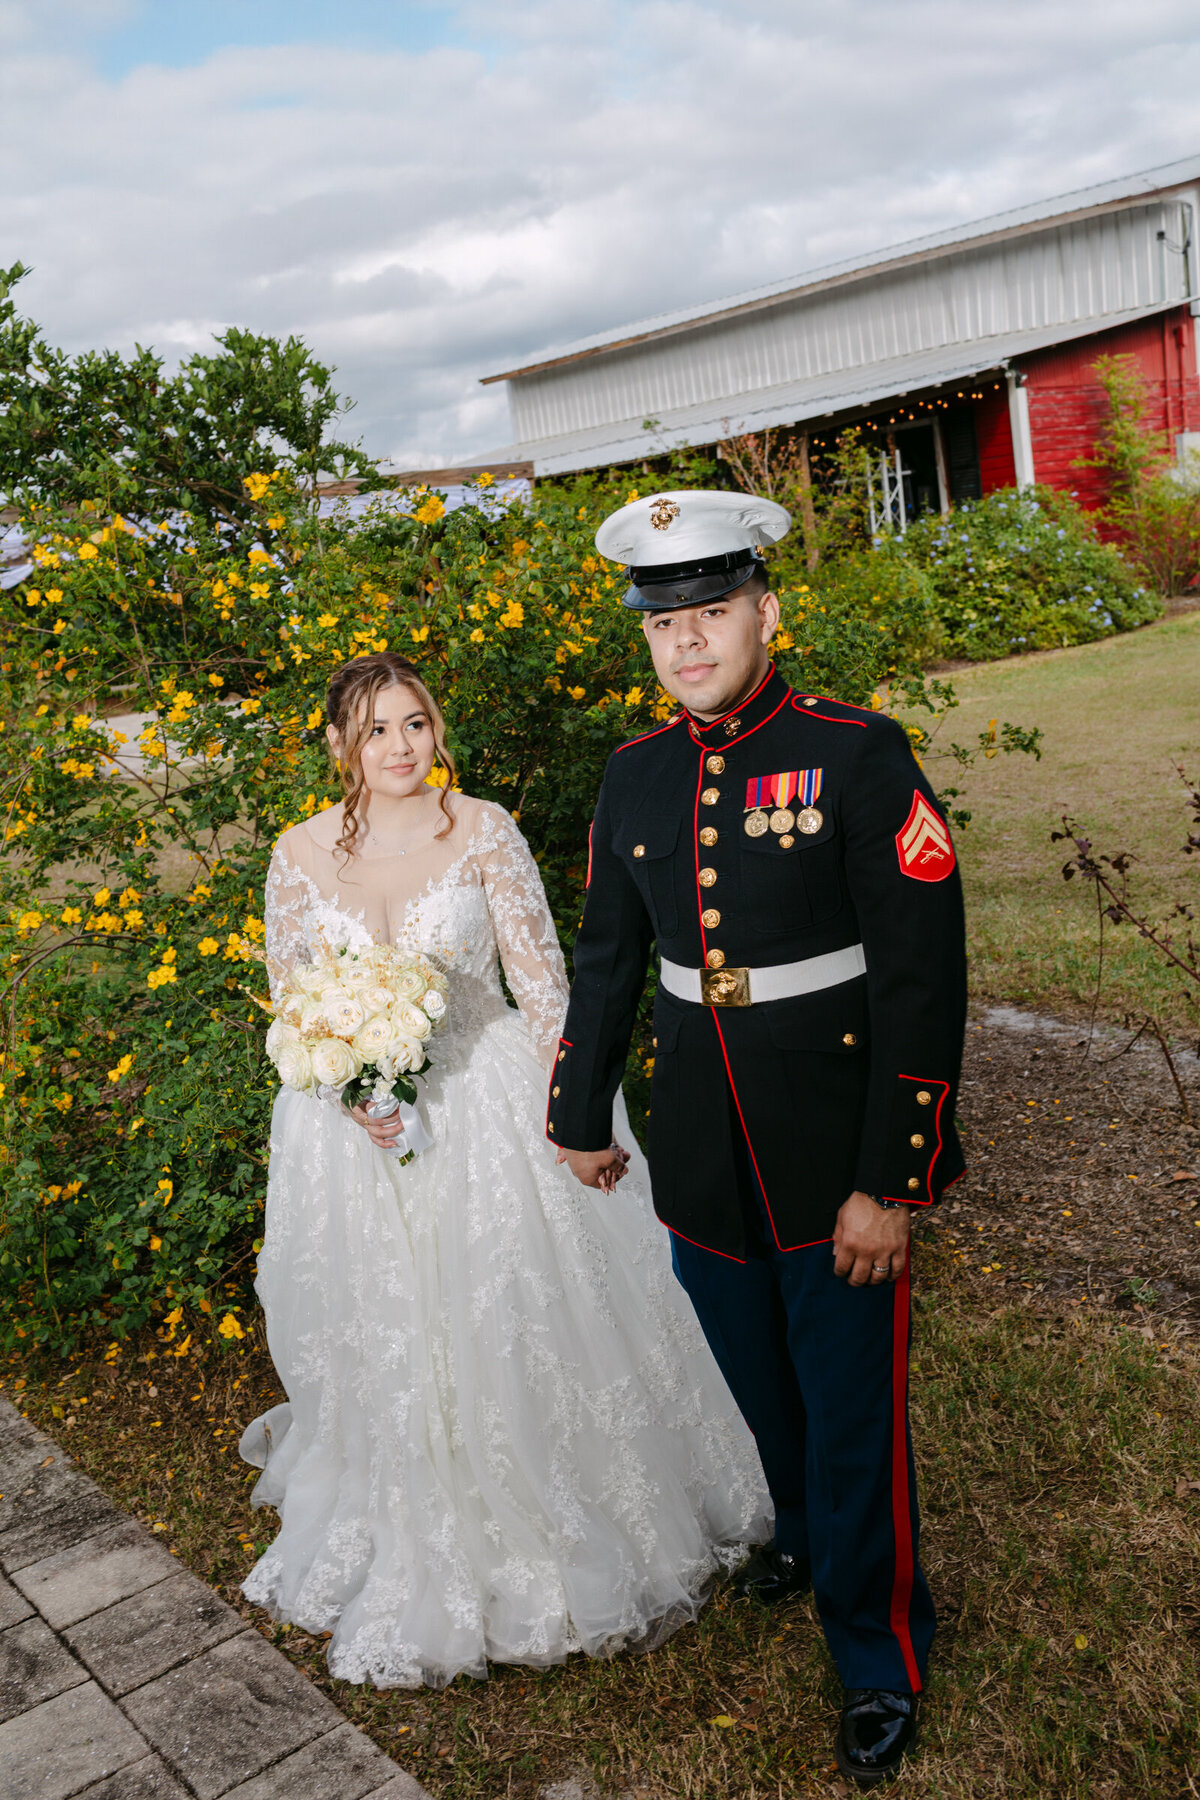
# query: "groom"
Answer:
x=789 y=861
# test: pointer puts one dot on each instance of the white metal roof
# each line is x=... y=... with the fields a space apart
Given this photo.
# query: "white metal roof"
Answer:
x=929 y=313
x=1074 y=204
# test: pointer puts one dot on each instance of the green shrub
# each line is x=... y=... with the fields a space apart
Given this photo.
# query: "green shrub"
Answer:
x=1024 y=571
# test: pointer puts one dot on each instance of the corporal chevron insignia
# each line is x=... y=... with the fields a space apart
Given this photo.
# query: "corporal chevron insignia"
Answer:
x=923 y=843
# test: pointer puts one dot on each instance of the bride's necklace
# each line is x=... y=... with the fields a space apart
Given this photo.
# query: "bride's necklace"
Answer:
x=373 y=837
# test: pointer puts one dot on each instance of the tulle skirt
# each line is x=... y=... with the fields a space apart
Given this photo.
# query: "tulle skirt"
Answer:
x=505 y=1436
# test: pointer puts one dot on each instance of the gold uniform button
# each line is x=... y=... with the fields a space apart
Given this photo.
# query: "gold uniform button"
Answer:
x=848 y=1037
x=924 y=1097
x=549 y=1128
x=913 y=1182
x=639 y=849
x=917 y=1141
x=654 y=1043
x=562 y=1055
x=707 y=877
x=710 y=919
x=710 y=796
x=708 y=836
x=715 y=765
x=786 y=841
x=557 y=1092
x=810 y=703
x=715 y=959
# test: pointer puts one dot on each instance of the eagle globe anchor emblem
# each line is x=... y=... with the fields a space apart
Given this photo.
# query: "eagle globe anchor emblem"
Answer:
x=662 y=511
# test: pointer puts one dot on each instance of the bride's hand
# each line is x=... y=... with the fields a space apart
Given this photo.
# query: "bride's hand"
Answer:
x=596 y=1168
x=382 y=1132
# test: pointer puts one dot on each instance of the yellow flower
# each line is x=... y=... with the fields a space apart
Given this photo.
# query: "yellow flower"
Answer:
x=164 y=1191
x=477 y=636
x=62 y=1103
x=419 y=633
x=156 y=1243
x=276 y=522
x=634 y=697
x=128 y=897
x=134 y=920
x=327 y=621
x=437 y=776
x=101 y=897
x=122 y=1069
x=257 y=485
x=29 y=921
x=87 y=552
x=485 y=479
x=34 y=596
x=253 y=928
x=475 y=610
x=251 y=706
x=60 y=625
x=81 y=722
x=255 y=557
x=576 y=693
x=512 y=616
x=314 y=718
x=519 y=546
x=71 y=915
x=260 y=589
x=216 y=681
x=430 y=511
x=168 y=954
x=208 y=946
x=229 y=1327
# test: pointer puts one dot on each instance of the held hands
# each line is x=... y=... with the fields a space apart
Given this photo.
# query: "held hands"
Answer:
x=870 y=1242
x=596 y=1168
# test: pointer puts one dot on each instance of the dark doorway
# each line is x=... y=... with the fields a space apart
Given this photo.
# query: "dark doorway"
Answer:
x=962 y=454
x=918 y=458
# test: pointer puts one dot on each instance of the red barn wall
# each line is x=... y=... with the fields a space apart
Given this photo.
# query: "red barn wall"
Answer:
x=1067 y=406
x=993 y=439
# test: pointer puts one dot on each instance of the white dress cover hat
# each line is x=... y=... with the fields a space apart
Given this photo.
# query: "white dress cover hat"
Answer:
x=689 y=546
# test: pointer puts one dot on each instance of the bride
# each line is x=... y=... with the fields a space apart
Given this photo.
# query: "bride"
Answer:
x=505 y=1437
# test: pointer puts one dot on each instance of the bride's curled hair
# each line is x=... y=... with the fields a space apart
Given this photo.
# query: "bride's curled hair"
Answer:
x=350 y=708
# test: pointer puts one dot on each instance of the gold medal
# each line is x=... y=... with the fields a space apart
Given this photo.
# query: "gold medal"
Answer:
x=809 y=820
x=756 y=822
x=782 y=819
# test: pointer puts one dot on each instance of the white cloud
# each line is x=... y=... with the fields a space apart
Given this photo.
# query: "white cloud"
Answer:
x=426 y=218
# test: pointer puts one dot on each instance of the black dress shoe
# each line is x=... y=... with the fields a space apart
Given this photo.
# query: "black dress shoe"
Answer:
x=877 y=1728
x=772 y=1576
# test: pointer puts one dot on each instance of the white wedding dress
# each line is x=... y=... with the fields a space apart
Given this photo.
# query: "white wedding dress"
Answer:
x=505 y=1436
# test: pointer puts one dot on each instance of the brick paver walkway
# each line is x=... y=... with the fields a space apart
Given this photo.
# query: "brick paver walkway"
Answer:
x=122 y=1677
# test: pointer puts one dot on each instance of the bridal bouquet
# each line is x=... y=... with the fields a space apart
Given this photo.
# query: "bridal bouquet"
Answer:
x=359 y=1020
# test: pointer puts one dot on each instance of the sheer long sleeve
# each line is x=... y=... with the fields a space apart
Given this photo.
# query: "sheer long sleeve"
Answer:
x=287 y=893
x=529 y=949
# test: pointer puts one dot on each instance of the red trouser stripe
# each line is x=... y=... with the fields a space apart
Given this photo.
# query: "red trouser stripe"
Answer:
x=902 y=1581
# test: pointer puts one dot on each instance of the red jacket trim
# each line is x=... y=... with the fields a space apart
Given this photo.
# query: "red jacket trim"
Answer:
x=925 y=1081
x=647 y=735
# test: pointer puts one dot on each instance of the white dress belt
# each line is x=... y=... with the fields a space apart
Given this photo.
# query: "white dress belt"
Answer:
x=782 y=981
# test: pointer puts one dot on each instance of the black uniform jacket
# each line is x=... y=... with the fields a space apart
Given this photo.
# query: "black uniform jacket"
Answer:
x=849 y=1087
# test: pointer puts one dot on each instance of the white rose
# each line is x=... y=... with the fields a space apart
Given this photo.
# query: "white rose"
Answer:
x=294 y=1067
x=344 y=1015
x=374 y=1038
x=334 y=1063
x=375 y=997
x=410 y=1020
x=402 y=1054
x=310 y=1022
x=407 y=983
x=434 y=1005
x=307 y=979
x=280 y=1033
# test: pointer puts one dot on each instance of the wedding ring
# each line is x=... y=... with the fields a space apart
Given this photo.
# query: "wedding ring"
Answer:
x=882 y=1268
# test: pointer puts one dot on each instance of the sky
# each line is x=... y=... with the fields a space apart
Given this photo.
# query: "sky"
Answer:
x=430 y=192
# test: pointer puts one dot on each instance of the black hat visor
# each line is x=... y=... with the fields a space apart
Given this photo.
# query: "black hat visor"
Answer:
x=665 y=586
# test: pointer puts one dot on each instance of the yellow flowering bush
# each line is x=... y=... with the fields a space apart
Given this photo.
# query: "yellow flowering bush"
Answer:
x=157 y=744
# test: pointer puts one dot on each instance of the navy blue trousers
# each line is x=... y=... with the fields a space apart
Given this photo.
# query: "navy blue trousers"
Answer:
x=819 y=1370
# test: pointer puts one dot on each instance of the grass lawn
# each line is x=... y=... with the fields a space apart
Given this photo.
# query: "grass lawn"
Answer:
x=1117 y=717
x=1058 y=1456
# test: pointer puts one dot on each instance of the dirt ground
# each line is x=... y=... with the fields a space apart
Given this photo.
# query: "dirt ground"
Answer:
x=1083 y=1179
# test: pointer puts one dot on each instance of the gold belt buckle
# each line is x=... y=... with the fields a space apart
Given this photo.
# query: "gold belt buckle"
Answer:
x=725 y=987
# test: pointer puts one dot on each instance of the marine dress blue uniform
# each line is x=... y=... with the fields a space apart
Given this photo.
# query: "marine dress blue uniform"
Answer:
x=791 y=867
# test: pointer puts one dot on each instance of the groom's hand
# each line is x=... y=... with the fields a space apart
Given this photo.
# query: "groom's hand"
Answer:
x=596 y=1168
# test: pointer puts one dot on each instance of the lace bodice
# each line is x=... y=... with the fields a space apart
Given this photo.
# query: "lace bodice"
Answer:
x=460 y=899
